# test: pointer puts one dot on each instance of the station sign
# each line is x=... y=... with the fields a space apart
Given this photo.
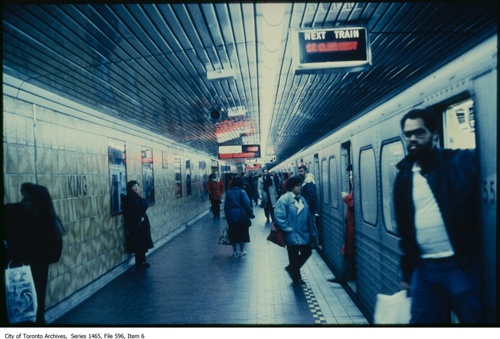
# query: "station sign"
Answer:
x=239 y=151
x=253 y=167
x=331 y=50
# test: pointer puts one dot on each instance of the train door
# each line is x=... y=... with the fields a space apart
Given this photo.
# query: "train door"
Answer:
x=459 y=132
x=347 y=186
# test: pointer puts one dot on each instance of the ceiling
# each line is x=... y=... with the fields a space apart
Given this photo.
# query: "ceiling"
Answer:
x=147 y=64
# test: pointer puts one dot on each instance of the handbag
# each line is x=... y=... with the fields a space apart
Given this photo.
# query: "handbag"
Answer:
x=276 y=235
x=392 y=309
x=224 y=238
x=20 y=294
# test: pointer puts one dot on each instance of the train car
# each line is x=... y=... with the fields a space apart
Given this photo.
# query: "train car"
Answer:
x=463 y=95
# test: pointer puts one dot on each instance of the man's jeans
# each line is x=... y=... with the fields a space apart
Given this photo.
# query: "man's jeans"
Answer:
x=440 y=286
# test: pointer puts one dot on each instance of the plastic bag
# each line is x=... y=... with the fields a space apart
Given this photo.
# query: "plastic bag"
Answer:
x=224 y=238
x=392 y=309
x=20 y=294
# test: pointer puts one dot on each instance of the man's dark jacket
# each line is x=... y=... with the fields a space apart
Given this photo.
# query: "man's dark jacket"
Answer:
x=453 y=178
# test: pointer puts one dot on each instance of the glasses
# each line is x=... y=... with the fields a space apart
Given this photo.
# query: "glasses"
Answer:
x=419 y=133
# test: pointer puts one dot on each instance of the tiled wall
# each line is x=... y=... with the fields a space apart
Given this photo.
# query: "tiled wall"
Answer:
x=69 y=155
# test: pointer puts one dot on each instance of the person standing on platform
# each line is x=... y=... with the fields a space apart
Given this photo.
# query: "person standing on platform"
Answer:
x=215 y=189
x=34 y=236
x=308 y=188
x=294 y=218
x=268 y=195
x=137 y=227
x=283 y=183
x=238 y=214
x=348 y=250
x=437 y=213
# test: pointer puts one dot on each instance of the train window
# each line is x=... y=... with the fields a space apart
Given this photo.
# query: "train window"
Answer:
x=333 y=182
x=324 y=181
x=459 y=126
x=368 y=185
x=392 y=153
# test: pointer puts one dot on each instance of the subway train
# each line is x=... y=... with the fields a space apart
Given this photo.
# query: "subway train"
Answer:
x=463 y=95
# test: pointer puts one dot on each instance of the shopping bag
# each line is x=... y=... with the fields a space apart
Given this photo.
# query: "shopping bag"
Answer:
x=276 y=236
x=392 y=309
x=20 y=294
x=224 y=238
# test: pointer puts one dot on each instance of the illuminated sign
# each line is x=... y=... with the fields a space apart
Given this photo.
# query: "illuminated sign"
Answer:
x=239 y=151
x=253 y=167
x=331 y=50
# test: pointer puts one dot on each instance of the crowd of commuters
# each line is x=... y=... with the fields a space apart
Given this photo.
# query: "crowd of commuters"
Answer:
x=436 y=208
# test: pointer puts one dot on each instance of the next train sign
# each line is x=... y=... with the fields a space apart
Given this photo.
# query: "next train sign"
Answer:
x=331 y=50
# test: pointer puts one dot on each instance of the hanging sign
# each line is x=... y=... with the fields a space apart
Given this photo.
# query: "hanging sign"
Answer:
x=239 y=151
x=331 y=50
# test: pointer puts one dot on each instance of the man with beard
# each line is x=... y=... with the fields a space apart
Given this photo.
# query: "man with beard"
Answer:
x=436 y=203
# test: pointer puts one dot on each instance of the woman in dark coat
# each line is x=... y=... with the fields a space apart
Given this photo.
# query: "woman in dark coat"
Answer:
x=33 y=235
x=238 y=214
x=137 y=227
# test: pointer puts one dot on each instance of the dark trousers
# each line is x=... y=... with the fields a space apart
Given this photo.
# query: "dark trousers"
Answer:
x=440 y=286
x=140 y=257
x=297 y=256
x=269 y=211
x=216 y=208
x=40 y=275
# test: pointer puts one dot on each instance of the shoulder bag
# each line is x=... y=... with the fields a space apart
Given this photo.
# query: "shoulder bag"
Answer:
x=276 y=235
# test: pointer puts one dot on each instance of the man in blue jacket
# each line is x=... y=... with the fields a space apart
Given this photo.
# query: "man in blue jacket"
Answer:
x=294 y=218
x=436 y=207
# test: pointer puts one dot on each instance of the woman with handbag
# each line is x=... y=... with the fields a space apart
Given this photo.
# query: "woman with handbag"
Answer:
x=137 y=227
x=33 y=235
x=294 y=218
x=238 y=214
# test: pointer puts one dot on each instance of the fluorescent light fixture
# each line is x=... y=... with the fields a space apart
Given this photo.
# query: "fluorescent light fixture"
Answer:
x=221 y=74
x=272 y=23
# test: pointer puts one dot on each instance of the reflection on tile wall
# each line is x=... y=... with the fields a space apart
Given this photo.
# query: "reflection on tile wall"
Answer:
x=69 y=156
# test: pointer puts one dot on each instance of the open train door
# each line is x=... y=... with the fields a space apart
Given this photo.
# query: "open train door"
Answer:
x=464 y=126
x=347 y=185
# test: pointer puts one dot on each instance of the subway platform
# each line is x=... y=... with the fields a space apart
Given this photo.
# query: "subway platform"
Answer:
x=195 y=281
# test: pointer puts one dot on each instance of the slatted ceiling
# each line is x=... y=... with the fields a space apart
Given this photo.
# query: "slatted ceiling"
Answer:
x=148 y=63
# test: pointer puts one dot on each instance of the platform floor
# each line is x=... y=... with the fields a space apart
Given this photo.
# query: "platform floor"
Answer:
x=194 y=281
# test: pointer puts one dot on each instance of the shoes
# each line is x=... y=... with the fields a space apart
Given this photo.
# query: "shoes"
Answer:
x=143 y=265
x=235 y=254
x=299 y=282
x=337 y=280
x=267 y=222
x=243 y=253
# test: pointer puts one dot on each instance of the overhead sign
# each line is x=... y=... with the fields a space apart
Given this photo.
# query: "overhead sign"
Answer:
x=253 y=167
x=239 y=151
x=331 y=50
x=250 y=161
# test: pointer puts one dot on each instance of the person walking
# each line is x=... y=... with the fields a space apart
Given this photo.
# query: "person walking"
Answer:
x=268 y=195
x=137 y=226
x=437 y=213
x=294 y=218
x=238 y=214
x=215 y=189
x=34 y=236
